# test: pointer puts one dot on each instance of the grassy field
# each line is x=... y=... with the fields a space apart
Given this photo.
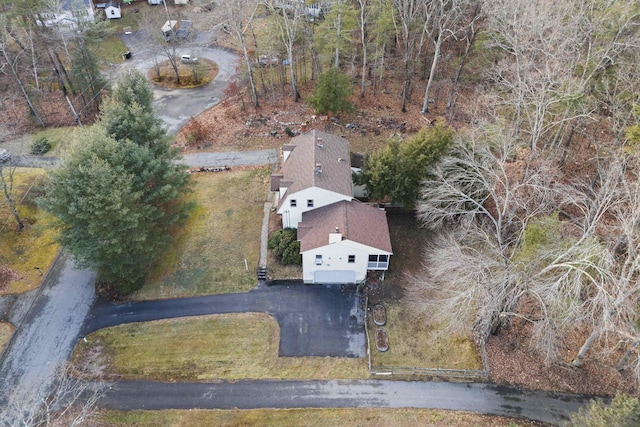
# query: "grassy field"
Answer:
x=223 y=231
x=30 y=252
x=6 y=330
x=307 y=417
x=58 y=137
x=229 y=346
x=414 y=340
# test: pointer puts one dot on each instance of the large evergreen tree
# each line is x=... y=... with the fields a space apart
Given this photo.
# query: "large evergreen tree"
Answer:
x=118 y=194
x=396 y=172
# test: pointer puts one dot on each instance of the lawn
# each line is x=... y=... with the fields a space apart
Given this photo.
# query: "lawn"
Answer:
x=57 y=137
x=414 y=341
x=6 y=330
x=308 y=417
x=217 y=251
x=24 y=255
x=207 y=348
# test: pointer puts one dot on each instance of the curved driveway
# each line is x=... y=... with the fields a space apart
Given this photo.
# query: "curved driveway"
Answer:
x=314 y=320
x=552 y=408
x=176 y=106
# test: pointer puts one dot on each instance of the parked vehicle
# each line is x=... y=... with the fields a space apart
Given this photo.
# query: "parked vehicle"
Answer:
x=188 y=59
x=5 y=155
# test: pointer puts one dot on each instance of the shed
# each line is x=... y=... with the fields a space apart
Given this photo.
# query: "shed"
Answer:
x=112 y=10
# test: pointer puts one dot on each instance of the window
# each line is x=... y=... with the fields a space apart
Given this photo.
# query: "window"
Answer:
x=352 y=259
x=309 y=203
x=378 y=262
x=294 y=203
x=318 y=259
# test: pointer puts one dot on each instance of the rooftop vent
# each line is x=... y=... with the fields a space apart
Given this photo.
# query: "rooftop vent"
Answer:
x=318 y=169
x=319 y=143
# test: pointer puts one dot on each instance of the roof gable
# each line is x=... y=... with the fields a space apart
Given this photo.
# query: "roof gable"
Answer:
x=355 y=220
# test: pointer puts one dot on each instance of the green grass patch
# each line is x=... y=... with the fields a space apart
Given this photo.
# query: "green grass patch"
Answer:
x=30 y=252
x=225 y=346
x=307 y=417
x=109 y=50
x=223 y=231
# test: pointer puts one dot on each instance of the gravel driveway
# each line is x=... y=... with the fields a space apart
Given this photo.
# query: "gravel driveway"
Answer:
x=176 y=106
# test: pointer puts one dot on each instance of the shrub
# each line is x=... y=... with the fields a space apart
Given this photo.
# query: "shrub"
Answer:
x=40 y=146
x=285 y=246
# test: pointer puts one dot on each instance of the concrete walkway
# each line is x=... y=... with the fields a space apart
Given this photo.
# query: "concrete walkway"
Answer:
x=552 y=408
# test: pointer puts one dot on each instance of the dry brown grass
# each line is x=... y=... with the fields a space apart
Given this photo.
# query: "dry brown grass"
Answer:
x=223 y=231
x=309 y=417
x=191 y=75
x=206 y=348
x=30 y=252
x=6 y=330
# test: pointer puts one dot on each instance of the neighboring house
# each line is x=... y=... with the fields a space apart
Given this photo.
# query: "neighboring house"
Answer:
x=340 y=242
x=66 y=14
x=315 y=172
x=155 y=2
x=112 y=10
x=180 y=1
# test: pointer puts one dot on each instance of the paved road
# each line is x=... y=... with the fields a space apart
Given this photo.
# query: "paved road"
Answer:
x=484 y=398
x=314 y=320
x=47 y=334
x=231 y=158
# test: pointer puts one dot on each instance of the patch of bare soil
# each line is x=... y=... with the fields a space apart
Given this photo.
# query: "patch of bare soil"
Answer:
x=512 y=361
x=91 y=363
x=7 y=275
x=191 y=75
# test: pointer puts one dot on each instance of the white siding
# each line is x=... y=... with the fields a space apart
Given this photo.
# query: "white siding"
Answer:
x=291 y=216
x=335 y=257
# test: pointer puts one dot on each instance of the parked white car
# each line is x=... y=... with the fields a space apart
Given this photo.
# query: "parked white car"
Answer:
x=188 y=59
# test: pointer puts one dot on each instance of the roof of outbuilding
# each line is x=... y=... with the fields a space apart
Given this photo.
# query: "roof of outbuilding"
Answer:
x=318 y=159
x=355 y=220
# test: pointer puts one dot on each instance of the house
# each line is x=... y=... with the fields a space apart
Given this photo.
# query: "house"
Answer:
x=340 y=242
x=66 y=14
x=341 y=238
x=155 y=2
x=315 y=173
x=180 y=1
x=112 y=10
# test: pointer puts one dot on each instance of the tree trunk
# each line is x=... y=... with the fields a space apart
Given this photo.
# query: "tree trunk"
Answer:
x=622 y=364
x=247 y=60
x=432 y=73
x=22 y=88
x=7 y=188
x=577 y=362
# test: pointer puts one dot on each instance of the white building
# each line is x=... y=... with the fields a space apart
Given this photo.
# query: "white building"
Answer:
x=112 y=10
x=340 y=242
x=340 y=238
x=315 y=172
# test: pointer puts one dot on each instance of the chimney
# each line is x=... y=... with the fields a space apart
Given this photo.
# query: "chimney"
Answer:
x=303 y=128
x=335 y=237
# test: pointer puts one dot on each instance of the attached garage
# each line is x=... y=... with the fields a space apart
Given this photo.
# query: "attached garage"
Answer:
x=334 y=276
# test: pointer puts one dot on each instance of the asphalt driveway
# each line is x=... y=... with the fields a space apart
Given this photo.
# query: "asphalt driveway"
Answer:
x=314 y=320
x=176 y=106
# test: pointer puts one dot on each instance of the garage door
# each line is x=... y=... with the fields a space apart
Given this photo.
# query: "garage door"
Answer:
x=344 y=276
